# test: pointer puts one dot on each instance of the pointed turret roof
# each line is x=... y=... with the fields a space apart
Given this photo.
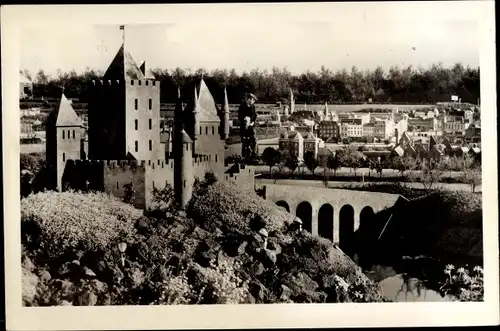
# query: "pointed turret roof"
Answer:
x=226 y=102
x=204 y=101
x=64 y=114
x=123 y=67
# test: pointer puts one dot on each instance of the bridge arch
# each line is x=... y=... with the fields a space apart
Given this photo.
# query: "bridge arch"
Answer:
x=346 y=228
x=283 y=204
x=365 y=217
x=304 y=212
x=325 y=221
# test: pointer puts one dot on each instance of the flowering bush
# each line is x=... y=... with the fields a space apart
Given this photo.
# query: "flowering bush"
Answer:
x=221 y=284
x=465 y=284
x=55 y=222
x=225 y=205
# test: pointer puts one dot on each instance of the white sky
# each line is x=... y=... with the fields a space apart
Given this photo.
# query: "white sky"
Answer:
x=244 y=37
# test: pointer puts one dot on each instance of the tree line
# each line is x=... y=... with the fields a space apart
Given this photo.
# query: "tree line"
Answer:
x=396 y=85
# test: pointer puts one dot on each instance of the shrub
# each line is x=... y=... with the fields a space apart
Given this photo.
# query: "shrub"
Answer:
x=56 y=222
x=224 y=205
x=465 y=284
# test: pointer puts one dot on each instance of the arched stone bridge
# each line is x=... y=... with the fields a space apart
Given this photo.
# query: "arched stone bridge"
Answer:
x=330 y=213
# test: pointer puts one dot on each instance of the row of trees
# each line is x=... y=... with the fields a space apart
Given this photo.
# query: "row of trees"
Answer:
x=427 y=171
x=397 y=85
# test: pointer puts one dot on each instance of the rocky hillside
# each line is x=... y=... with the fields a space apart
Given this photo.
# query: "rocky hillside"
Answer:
x=230 y=246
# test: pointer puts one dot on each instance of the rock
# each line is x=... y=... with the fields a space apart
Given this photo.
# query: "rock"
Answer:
x=87 y=299
x=263 y=233
x=44 y=275
x=285 y=293
x=162 y=231
x=142 y=223
x=67 y=268
x=257 y=268
x=328 y=281
x=258 y=239
x=242 y=247
x=76 y=262
x=65 y=303
x=98 y=286
x=29 y=282
x=199 y=233
x=89 y=272
x=250 y=299
x=306 y=281
x=181 y=213
x=65 y=287
x=27 y=264
x=269 y=258
x=274 y=245
x=258 y=291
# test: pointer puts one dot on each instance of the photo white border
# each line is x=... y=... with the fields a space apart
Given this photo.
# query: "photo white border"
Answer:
x=243 y=316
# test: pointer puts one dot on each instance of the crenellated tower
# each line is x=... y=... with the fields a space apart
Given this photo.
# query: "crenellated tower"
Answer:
x=64 y=131
x=183 y=158
x=124 y=113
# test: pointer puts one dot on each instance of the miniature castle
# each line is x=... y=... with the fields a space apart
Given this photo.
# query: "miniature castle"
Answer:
x=124 y=148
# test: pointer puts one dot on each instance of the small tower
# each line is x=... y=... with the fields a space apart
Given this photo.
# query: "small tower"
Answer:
x=64 y=131
x=225 y=110
x=292 y=102
x=196 y=115
x=183 y=169
x=278 y=116
x=286 y=108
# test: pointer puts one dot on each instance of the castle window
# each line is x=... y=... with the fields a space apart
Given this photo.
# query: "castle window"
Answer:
x=73 y=134
x=136 y=104
x=187 y=147
x=150 y=123
x=69 y=135
x=117 y=185
x=213 y=130
x=153 y=184
x=206 y=130
x=200 y=131
x=149 y=161
x=154 y=83
x=150 y=104
x=64 y=133
x=136 y=125
x=146 y=83
x=150 y=145
x=139 y=82
x=215 y=157
x=136 y=146
x=184 y=183
x=64 y=156
x=132 y=82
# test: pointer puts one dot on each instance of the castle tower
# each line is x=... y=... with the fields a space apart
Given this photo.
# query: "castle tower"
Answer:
x=124 y=113
x=278 y=116
x=208 y=138
x=286 y=111
x=225 y=110
x=64 y=131
x=183 y=158
x=292 y=102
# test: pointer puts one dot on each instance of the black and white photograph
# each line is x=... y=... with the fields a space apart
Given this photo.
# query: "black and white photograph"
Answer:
x=272 y=154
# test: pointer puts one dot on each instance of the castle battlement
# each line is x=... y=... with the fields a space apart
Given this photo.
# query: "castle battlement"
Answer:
x=105 y=82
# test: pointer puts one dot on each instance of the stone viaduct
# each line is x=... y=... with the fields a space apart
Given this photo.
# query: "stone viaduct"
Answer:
x=334 y=214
